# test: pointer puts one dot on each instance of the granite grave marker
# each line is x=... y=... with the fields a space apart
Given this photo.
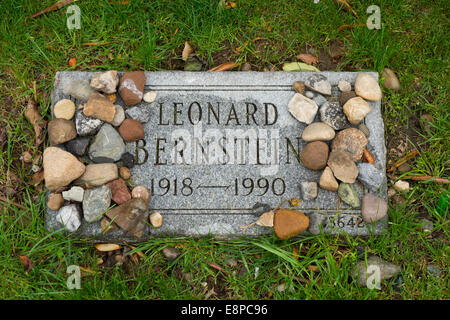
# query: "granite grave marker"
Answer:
x=222 y=148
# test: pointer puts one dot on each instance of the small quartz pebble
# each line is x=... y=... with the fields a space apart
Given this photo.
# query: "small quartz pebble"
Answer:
x=373 y=208
x=328 y=181
x=64 y=109
x=150 y=96
x=344 y=86
x=70 y=217
x=124 y=173
x=299 y=87
x=308 y=190
x=367 y=87
x=105 y=82
x=140 y=192
x=131 y=130
x=318 y=131
x=60 y=131
x=309 y=94
x=356 y=109
x=156 y=219
x=401 y=186
x=314 y=155
x=302 y=108
x=119 y=116
x=74 y=194
x=55 y=201
x=319 y=83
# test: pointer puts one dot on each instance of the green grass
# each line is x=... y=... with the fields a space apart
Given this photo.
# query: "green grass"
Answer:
x=142 y=35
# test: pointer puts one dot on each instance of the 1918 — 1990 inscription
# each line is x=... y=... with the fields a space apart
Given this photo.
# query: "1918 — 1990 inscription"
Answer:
x=222 y=148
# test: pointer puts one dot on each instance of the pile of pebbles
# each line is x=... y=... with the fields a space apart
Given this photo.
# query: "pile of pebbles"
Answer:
x=86 y=166
x=336 y=143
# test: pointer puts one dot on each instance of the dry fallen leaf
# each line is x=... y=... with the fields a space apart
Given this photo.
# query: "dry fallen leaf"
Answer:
x=295 y=253
x=307 y=58
x=88 y=270
x=224 y=66
x=350 y=26
x=53 y=7
x=266 y=219
x=104 y=247
x=37 y=178
x=367 y=157
x=34 y=117
x=187 y=51
x=72 y=62
x=27 y=265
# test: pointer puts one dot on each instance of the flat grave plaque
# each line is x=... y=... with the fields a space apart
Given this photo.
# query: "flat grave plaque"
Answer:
x=221 y=148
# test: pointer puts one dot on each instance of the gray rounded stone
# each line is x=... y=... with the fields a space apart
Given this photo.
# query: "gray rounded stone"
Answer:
x=308 y=190
x=74 y=194
x=95 y=202
x=138 y=113
x=363 y=270
x=86 y=125
x=108 y=145
x=332 y=114
x=78 y=146
x=319 y=83
x=79 y=89
x=370 y=175
x=319 y=99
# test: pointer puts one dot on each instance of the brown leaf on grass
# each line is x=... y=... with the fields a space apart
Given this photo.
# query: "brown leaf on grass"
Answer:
x=89 y=44
x=86 y=270
x=307 y=58
x=401 y=161
x=72 y=62
x=27 y=265
x=107 y=247
x=428 y=178
x=212 y=265
x=187 y=51
x=346 y=6
x=367 y=157
x=4 y=199
x=53 y=7
x=350 y=26
x=38 y=177
x=295 y=253
x=224 y=66
x=34 y=117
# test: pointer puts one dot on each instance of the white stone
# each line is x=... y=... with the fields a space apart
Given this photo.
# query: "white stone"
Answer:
x=69 y=216
x=344 y=86
x=319 y=83
x=150 y=96
x=156 y=219
x=318 y=131
x=74 y=194
x=105 y=82
x=401 y=186
x=119 y=116
x=367 y=87
x=302 y=108
x=356 y=109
